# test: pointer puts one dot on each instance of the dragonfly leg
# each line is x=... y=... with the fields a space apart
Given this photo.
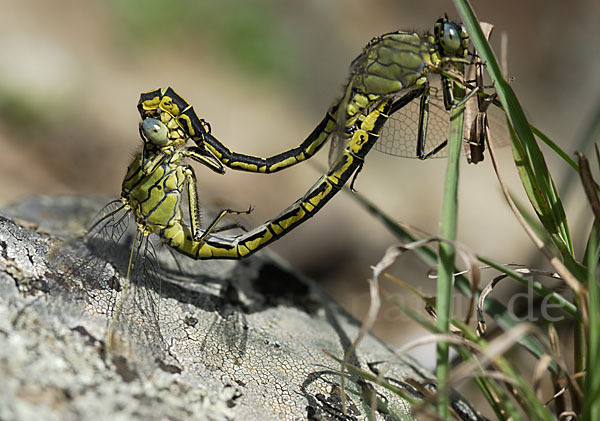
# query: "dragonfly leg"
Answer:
x=205 y=246
x=449 y=102
x=423 y=119
x=448 y=91
x=466 y=98
x=229 y=227
x=190 y=178
x=194 y=212
x=435 y=150
x=212 y=228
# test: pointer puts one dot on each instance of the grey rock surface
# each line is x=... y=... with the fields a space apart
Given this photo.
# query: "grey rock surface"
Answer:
x=213 y=340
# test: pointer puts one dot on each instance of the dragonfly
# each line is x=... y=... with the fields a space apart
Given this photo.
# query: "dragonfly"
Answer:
x=399 y=87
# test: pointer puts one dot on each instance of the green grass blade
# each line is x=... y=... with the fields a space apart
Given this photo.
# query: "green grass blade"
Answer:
x=533 y=407
x=557 y=149
x=591 y=410
x=534 y=173
x=492 y=307
x=448 y=230
x=504 y=404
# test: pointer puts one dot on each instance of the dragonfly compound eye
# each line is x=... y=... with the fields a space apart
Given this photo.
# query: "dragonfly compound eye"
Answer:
x=155 y=131
x=451 y=38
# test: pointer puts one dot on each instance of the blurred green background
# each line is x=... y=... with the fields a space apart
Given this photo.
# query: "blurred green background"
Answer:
x=263 y=72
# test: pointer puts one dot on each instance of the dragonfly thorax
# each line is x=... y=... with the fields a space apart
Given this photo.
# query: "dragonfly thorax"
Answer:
x=390 y=63
x=152 y=187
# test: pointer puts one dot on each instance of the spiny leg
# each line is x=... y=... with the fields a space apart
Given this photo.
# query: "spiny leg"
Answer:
x=229 y=227
x=194 y=212
x=423 y=122
x=448 y=91
x=212 y=227
x=450 y=102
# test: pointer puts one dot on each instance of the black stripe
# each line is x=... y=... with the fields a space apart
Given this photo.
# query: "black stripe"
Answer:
x=198 y=128
x=404 y=100
x=288 y=213
x=145 y=97
x=323 y=185
x=254 y=236
x=177 y=100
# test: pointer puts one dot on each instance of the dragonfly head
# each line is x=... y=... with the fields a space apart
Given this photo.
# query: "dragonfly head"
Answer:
x=451 y=37
x=154 y=131
x=167 y=118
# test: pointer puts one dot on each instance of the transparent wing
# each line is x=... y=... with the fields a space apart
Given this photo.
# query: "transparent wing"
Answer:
x=337 y=146
x=338 y=139
x=115 y=269
x=87 y=262
x=134 y=332
x=399 y=134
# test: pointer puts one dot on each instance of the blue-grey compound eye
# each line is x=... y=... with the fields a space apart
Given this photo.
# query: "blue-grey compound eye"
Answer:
x=155 y=131
x=451 y=38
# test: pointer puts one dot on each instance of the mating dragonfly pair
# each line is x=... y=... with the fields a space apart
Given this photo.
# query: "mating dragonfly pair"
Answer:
x=389 y=79
x=400 y=92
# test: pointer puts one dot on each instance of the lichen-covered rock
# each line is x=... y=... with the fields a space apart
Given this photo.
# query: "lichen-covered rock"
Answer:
x=216 y=340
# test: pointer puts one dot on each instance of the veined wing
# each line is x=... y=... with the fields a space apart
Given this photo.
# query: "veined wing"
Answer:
x=115 y=267
x=134 y=328
x=400 y=133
